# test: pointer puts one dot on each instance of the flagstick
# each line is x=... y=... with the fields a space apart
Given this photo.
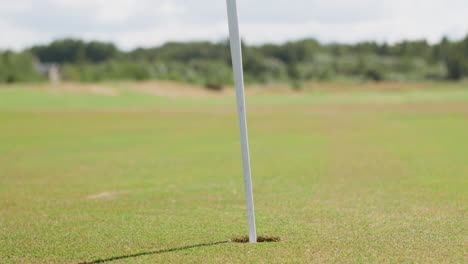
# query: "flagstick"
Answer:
x=236 y=54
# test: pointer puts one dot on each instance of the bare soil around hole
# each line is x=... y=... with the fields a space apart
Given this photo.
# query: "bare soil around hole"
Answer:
x=260 y=239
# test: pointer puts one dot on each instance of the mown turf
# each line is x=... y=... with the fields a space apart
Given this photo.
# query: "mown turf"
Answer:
x=360 y=177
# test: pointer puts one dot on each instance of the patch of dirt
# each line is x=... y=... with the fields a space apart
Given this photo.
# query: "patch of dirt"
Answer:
x=173 y=89
x=366 y=86
x=260 y=239
x=178 y=90
x=104 y=195
x=269 y=89
x=68 y=87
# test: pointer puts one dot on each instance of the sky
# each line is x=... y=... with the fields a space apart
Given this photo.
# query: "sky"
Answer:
x=144 y=23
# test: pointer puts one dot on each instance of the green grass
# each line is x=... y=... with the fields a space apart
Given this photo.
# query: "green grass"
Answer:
x=358 y=177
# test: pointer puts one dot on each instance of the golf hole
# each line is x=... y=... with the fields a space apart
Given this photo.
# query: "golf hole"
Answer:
x=260 y=239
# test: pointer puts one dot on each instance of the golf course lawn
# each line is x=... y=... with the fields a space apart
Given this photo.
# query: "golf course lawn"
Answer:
x=362 y=176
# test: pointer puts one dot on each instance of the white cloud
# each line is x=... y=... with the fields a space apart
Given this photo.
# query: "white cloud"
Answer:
x=161 y=34
x=13 y=7
x=12 y=37
x=105 y=11
x=132 y=23
x=169 y=8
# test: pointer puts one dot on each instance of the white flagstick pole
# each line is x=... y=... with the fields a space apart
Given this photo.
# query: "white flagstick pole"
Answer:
x=236 y=54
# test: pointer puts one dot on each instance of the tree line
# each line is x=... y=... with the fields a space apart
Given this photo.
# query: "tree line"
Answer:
x=206 y=62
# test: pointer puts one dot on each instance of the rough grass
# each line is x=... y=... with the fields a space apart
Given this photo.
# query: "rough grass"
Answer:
x=342 y=177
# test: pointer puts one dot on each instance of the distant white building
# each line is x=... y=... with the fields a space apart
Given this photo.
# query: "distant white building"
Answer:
x=51 y=70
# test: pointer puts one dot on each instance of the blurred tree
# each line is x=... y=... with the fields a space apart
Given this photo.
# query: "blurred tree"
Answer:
x=99 y=51
x=206 y=62
x=60 y=51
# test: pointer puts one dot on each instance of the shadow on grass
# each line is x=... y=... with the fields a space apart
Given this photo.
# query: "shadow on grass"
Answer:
x=152 y=252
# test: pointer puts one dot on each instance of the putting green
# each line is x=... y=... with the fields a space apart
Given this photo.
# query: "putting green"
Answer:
x=347 y=177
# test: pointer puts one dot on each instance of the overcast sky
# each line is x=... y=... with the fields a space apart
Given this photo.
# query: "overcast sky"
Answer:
x=134 y=23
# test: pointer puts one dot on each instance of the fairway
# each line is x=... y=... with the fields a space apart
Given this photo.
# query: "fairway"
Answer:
x=119 y=175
